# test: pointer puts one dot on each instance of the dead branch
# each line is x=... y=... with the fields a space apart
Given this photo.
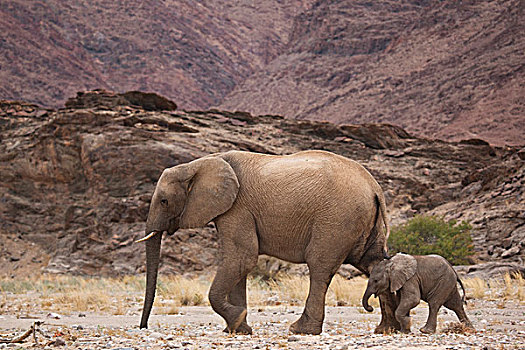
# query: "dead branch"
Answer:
x=21 y=338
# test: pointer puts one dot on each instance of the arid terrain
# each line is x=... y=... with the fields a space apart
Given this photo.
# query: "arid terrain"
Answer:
x=106 y=315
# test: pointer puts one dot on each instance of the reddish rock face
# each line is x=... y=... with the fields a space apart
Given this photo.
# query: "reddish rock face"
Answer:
x=452 y=70
x=192 y=52
x=77 y=182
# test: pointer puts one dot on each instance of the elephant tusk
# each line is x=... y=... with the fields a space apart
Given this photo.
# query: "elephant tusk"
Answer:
x=151 y=234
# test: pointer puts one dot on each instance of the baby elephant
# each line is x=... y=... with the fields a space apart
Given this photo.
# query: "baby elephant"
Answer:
x=428 y=277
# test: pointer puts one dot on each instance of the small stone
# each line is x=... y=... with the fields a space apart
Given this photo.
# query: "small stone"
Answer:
x=81 y=315
x=156 y=335
x=57 y=342
x=237 y=122
x=54 y=315
x=510 y=252
x=507 y=243
x=293 y=338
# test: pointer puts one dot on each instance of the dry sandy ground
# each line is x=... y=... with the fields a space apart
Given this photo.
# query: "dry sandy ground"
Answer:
x=497 y=325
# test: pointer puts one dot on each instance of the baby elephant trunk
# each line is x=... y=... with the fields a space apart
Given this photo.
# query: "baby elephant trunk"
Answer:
x=366 y=296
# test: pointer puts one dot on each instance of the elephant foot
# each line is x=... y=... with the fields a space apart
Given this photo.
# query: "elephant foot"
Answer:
x=384 y=329
x=243 y=328
x=237 y=317
x=428 y=330
x=306 y=325
x=468 y=325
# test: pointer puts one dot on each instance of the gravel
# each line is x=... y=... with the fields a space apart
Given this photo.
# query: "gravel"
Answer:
x=345 y=328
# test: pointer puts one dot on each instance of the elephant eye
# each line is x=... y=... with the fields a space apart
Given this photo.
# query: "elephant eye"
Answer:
x=164 y=202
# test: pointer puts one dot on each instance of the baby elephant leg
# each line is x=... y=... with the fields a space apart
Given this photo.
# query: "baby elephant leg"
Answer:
x=403 y=312
x=430 y=326
x=455 y=303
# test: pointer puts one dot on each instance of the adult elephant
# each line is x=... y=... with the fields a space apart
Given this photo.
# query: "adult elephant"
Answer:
x=310 y=207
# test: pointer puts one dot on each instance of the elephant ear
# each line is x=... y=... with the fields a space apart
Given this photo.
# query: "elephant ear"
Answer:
x=212 y=189
x=402 y=268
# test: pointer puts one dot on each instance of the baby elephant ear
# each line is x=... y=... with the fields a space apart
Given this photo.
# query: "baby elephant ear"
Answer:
x=402 y=268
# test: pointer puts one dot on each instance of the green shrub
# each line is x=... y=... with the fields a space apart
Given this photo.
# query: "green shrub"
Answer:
x=424 y=235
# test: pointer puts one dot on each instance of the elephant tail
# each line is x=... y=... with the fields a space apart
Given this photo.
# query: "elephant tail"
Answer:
x=380 y=219
x=463 y=298
x=382 y=210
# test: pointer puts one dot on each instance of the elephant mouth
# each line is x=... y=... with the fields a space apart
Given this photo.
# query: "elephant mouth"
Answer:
x=173 y=226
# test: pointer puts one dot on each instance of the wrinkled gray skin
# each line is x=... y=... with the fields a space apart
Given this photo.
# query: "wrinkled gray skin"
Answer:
x=413 y=278
x=311 y=207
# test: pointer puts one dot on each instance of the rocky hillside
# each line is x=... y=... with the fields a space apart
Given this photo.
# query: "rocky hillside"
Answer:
x=448 y=69
x=75 y=183
x=193 y=51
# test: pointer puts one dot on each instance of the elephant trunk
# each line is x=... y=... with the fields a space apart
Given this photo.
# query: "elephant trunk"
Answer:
x=366 y=296
x=152 y=269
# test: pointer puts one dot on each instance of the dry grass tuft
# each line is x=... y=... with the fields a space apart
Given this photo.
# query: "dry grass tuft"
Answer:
x=344 y=292
x=183 y=291
x=508 y=287
x=81 y=300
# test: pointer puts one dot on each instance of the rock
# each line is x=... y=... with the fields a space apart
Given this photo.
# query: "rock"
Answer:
x=57 y=342
x=54 y=315
x=378 y=136
x=395 y=154
x=507 y=243
x=293 y=338
x=521 y=153
x=79 y=181
x=510 y=252
x=489 y=270
x=107 y=99
x=156 y=335
x=149 y=101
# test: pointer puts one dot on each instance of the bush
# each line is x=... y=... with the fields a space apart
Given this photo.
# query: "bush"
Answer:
x=424 y=235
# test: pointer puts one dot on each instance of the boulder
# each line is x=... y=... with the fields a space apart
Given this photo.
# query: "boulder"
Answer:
x=101 y=98
x=489 y=270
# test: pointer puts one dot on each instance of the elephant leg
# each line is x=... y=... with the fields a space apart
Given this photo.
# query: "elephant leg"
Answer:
x=238 y=251
x=311 y=321
x=406 y=303
x=455 y=303
x=228 y=276
x=237 y=297
x=389 y=323
x=431 y=325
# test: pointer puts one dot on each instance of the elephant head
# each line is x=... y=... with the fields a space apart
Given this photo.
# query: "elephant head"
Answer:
x=389 y=276
x=186 y=196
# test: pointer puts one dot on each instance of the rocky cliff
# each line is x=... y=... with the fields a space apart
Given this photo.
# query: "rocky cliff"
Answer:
x=194 y=51
x=75 y=183
x=447 y=69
